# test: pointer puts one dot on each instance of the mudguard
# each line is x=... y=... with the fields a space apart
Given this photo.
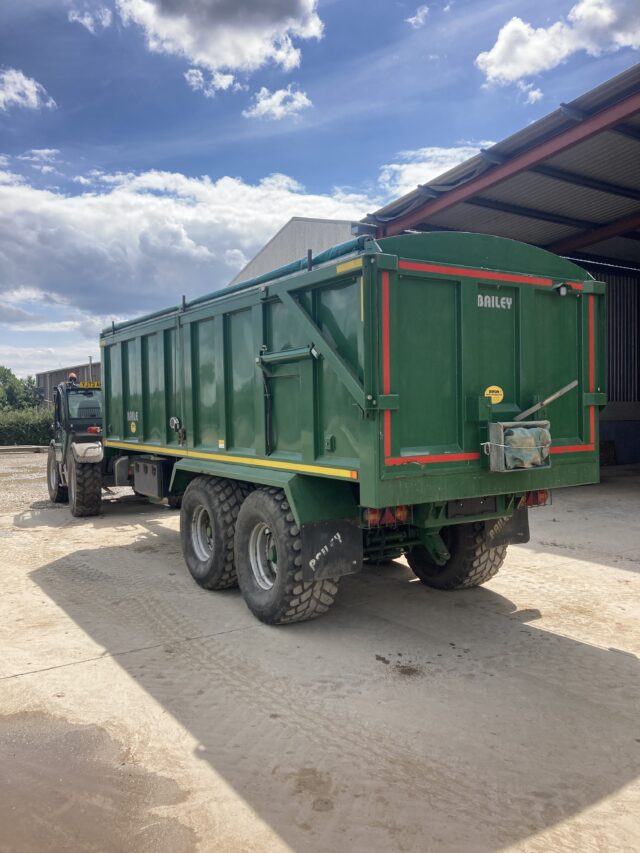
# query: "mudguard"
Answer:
x=88 y=453
x=508 y=531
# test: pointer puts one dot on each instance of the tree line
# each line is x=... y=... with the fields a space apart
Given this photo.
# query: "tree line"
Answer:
x=17 y=394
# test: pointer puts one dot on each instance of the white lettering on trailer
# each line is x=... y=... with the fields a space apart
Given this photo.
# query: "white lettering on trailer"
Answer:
x=502 y=302
x=313 y=563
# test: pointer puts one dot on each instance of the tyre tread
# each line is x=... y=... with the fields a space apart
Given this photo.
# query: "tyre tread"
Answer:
x=475 y=562
x=226 y=496
x=88 y=489
x=301 y=600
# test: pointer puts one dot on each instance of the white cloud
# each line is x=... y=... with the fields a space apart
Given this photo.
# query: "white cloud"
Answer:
x=531 y=93
x=144 y=240
x=216 y=82
x=594 y=26
x=80 y=179
x=231 y=37
x=235 y=258
x=419 y=18
x=25 y=295
x=18 y=90
x=40 y=155
x=10 y=178
x=423 y=164
x=4 y=161
x=278 y=104
x=30 y=359
x=91 y=19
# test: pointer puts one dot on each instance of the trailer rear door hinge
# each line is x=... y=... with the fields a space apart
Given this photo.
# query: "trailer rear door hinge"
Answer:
x=598 y=398
x=389 y=401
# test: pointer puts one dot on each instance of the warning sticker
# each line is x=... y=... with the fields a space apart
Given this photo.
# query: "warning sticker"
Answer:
x=133 y=427
x=494 y=393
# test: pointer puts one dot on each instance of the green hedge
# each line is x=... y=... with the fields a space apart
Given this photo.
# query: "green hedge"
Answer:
x=30 y=426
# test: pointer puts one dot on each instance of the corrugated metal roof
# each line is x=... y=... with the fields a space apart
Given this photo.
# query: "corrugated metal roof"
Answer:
x=618 y=248
x=611 y=155
x=607 y=156
x=468 y=217
x=550 y=196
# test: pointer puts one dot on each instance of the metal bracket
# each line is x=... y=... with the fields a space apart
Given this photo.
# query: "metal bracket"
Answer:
x=325 y=349
x=389 y=401
x=434 y=543
x=590 y=286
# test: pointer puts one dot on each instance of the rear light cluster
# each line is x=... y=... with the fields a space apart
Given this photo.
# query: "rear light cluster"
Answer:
x=390 y=516
x=540 y=497
x=94 y=430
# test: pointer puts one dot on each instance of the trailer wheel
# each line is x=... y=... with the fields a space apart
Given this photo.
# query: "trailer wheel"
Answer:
x=85 y=487
x=269 y=565
x=58 y=493
x=207 y=526
x=472 y=562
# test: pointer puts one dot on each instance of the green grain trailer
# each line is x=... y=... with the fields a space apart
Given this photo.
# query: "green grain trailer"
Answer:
x=383 y=398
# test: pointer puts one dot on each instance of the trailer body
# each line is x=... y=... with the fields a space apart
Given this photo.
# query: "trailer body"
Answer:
x=369 y=381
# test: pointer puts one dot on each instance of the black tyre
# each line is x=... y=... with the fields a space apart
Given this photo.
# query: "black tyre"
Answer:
x=85 y=487
x=58 y=493
x=472 y=562
x=269 y=564
x=174 y=501
x=207 y=527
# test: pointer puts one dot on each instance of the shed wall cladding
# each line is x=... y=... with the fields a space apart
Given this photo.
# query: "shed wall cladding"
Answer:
x=48 y=381
x=620 y=419
x=623 y=312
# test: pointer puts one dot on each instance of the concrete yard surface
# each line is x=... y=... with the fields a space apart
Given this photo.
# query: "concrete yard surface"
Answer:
x=139 y=712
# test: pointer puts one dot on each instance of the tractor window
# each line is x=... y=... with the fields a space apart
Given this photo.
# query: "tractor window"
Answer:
x=85 y=404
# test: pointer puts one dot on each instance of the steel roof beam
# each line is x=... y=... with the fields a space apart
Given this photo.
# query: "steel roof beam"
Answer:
x=586 y=181
x=530 y=213
x=573 y=135
x=617 y=228
x=628 y=130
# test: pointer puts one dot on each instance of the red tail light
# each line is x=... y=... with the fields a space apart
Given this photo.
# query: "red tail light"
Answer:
x=540 y=497
x=372 y=517
x=94 y=430
x=388 y=517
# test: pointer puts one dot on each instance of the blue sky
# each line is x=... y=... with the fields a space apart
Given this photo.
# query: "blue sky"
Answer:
x=150 y=147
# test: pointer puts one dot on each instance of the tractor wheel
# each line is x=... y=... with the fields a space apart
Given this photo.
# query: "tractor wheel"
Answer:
x=85 y=487
x=174 y=501
x=472 y=562
x=58 y=493
x=207 y=526
x=269 y=565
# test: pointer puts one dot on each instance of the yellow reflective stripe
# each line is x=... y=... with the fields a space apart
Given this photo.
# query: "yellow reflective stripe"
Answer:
x=355 y=264
x=240 y=460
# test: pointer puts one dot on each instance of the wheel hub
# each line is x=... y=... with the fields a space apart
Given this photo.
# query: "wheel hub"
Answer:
x=263 y=556
x=202 y=534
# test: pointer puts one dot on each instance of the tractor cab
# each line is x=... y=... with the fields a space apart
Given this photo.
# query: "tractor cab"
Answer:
x=78 y=411
x=74 y=468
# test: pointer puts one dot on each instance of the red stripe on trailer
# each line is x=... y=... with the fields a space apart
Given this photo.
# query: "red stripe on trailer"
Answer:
x=489 y=275
x=586 y=448
x=434 y=457
x=592 y=357
x=574 y=448
x=387 y=434
x=386 y=364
